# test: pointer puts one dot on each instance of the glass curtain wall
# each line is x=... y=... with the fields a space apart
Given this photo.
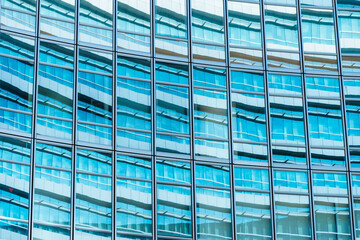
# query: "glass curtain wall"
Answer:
x=181 y=119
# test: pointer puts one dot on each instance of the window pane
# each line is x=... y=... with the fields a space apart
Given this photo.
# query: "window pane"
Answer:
x=174 y=210
x=93 y=204
x=52 y=197
x=133 y=167
x=249 y=82
x=15 y=150
x=53 y=156
x=328 y=157
x=208 y=21
x=248 y=111
x=281 y=28
x=212 y=149
x=244 y=24
x=209 y=77
x=133 y=140
x=285 y=181
x=332 y=218
x=173 y=73
x=250 y=152
x=289 y=155
x=134 y=16
x=133 y=206
x=252 y=179
x=210 y=113
x=329 y=183
x=318 y=30
x=172 y=109
x=133 y=67
x=171 y=18
x=284 y=85
x=57 y=18
x=213 y=222
x=213 y=176
x=55 y=92
x=14 y=203
x=53 y=53
x=353 y=119
x=325 y=123
x=20 y=14
x=349 y=27
x=292 y=217
x=322 y=87
x=253 y=219
x=95 y=98
x=357 y=217
x=169 y=144
x=171 y=171
x=287 y=120
x=133 y=104
x=94 y=162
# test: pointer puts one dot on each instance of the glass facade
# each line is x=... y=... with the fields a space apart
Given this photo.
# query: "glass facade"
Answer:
x=180 y=119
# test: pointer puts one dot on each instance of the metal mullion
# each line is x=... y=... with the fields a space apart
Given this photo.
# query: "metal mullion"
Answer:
x=229 y=103
x=74 y=130
x=308 y=156
x=33 y=123
x=269 y=149
x=191 y=125
x=114 y=119
x=263 y=42
x=337 y=37
x=300 y=41
x=347 y=156
x=153 y=119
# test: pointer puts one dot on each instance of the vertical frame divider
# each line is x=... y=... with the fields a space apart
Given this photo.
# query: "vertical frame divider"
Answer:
x=74 y=132
x=114 y=123
x=267 y=117
x=191 y=122
x=306 y=121
x=229 y=103
x=153 y=117
x=33 y=121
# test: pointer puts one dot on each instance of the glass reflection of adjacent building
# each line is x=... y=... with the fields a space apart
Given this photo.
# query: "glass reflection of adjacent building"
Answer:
x=181 y=119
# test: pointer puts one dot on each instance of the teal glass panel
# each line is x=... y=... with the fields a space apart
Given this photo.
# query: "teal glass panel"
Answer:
x=286 y=181
x=244 y=24
x=173 y=171
x=209 y=77
x=133 y=207
x=171 y=18
x=253 y=219
x=212 y=175
x=251 y=179
x=329 y=183
x=248 y=112
x=332 y=218
x=249 y=82
x=172 y=109
x=133 y=104
x=210 y=113
x=213 y=214
x=208 y=21
x=281 y=28
x=173 y=210
x=133 y=167
x=292 y=217
x=172 y=73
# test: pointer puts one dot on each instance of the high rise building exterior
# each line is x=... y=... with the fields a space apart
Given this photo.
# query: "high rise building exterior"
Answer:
x=180 y=119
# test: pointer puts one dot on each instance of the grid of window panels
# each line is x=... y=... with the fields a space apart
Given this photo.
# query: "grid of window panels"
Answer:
x=181 y=119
